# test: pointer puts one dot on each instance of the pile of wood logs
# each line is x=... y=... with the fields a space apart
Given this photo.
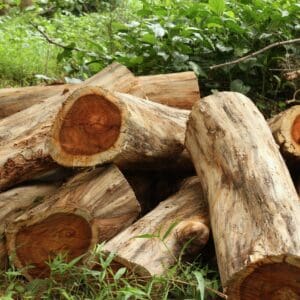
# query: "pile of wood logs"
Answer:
x=119 y=157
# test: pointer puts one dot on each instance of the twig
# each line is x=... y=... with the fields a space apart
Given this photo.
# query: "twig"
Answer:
x=233 y=62
x=294 y=100
x=53 y=42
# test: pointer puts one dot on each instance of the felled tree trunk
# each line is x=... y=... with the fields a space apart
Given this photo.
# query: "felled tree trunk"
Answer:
x=152 y=244
x=13 y=203
x=95 y=126
x=253 y=205
x=179 y=90
x=92 y=207
x=13 y=100
x=23 y=136
x=286 y=131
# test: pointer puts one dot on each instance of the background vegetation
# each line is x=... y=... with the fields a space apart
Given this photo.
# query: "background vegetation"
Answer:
x=63 y=40
x=155 y=36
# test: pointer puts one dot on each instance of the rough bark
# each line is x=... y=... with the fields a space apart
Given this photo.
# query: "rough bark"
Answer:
x=179 y=90
x=23 y=136
x=13 y=100
x=92 y=207
x=286 y=131
x=253 y=205
x=95 y=126
x=181 y=220
x=13 y=203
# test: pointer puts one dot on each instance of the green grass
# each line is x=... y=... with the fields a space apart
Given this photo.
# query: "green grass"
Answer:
x=24 y=54
x=68 y=281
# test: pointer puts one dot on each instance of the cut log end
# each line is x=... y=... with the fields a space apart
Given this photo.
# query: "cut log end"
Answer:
x=273 y=281
x=192 y=235
x=91 y=126
x=60 y=233
x=296 y=130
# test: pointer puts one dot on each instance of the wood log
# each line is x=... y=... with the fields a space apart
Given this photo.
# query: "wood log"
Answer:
x=253 y=205
x=23 y=136
x=286 y=131
x=181 y=220
x=180 y=90
x=13 y=100
x=91 y=207
x=13 y=203
x=95 y=126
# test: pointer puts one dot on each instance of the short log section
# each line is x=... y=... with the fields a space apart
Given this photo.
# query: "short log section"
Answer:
x=13 y=203
x=95 y=126
x=92 y=207
x=179 y=90
x=180 y=221
x=254 y=208
x=286 y=131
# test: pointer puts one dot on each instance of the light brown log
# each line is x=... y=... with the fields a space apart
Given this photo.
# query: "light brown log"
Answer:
x=286 y=131
x=179 y=90
x=13 y=100
x=92 y=207
x=13 y=203
x=23 y=136
x=183 y=218
x=95 y=126
x=254 y=208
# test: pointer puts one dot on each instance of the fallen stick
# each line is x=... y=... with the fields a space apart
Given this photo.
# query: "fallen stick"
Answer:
x=92 y=207
x=254 y=208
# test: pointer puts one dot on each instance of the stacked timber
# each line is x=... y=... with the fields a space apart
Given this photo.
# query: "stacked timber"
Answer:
x=114 y=159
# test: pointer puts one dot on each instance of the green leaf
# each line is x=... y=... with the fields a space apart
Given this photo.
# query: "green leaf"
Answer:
x=200 y=284
x=120 y=273
x=169 y=230
x=239 y=86
x=197 y=69
x=149 y=38
x=217 y=6
x=145 y=236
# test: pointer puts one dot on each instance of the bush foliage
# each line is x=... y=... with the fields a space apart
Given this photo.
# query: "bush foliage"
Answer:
x=158 y=36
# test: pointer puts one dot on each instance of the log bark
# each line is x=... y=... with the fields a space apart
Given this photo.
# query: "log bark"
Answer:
x=286 y=131
x=254 y=208
x=179 y=90
x=13 y=203
x=92 y=207
x=23 y=136
x=95 y=126
x=181 y=220
x=13 y=100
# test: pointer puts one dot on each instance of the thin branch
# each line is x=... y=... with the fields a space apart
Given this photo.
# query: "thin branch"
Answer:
x=255 y=53
x=53 y=42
